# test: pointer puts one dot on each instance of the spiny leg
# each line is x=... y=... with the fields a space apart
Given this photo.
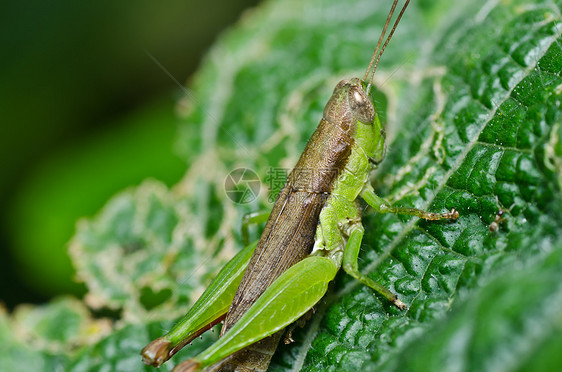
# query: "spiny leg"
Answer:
x=382 y=206
x=353 y=245
x=350 y=256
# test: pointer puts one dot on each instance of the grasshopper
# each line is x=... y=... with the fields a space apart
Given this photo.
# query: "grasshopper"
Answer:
x=313 y=230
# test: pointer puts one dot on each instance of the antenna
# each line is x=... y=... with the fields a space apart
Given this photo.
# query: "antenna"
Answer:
x=377 y=55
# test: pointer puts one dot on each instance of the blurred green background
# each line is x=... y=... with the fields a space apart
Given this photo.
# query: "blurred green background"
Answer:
x=86 y=112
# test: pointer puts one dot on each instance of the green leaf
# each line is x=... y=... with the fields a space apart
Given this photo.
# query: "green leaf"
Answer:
x=129 y=257
x=473 y=116
x=508 y=324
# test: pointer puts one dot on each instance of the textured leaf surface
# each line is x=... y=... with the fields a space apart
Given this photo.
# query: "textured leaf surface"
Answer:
x=129 y=256
x=471 y=96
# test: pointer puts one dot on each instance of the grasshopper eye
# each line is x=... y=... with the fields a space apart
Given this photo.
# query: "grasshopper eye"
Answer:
x=361 y=106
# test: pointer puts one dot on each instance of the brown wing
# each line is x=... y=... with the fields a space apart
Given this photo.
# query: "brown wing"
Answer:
x=288 y=237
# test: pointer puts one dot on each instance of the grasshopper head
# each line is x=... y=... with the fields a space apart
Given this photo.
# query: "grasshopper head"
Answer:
x=360 y=103
x=352 y=109
x=348 y=105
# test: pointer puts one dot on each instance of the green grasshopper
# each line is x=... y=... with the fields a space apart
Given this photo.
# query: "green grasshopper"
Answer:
x=313 y=230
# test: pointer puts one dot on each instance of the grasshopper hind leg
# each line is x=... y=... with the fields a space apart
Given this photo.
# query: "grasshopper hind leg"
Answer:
x=253 y=358
x=209 y=310
x=289 y=297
